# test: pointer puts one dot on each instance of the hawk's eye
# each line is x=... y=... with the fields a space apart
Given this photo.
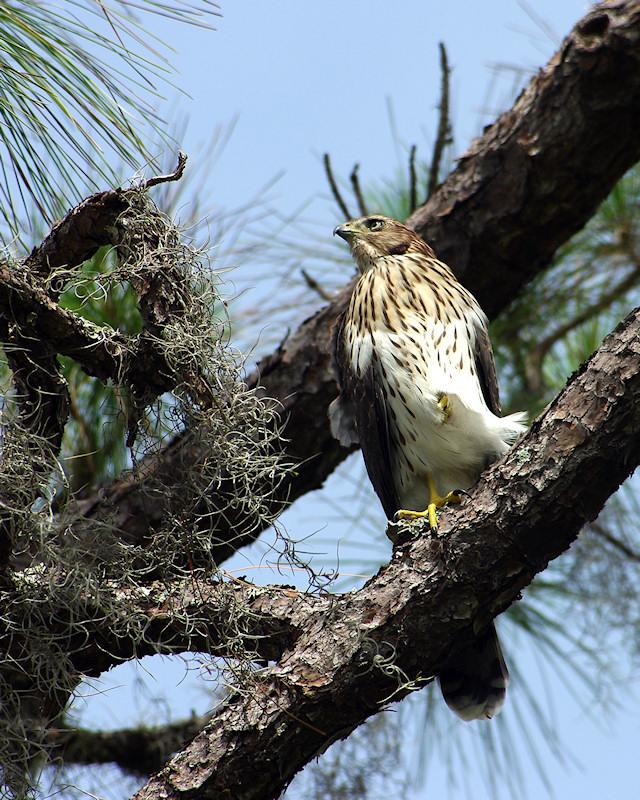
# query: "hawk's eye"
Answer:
x=374 y=224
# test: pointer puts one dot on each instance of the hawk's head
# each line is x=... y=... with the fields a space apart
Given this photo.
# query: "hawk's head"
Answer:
x=371 y=238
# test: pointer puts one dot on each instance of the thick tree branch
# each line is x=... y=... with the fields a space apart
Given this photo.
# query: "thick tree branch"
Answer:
x=137 y=750
x=545 y=165
x=194 y=615
x=397 y=632
x=331 y=650
x=89 y=226
x=529 y=183
x=36 y=329
x=272 y=618
x=101 y=352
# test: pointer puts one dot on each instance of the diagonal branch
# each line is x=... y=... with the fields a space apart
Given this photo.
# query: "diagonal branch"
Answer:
x=357 y=190
x=536 y=175
x=398 y=631
x=525 y=510
x=335 y=191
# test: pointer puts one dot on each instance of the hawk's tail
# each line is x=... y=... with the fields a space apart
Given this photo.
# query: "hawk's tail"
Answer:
x=474 y=683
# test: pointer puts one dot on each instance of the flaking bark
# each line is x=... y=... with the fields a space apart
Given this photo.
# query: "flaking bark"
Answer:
x=432 y=597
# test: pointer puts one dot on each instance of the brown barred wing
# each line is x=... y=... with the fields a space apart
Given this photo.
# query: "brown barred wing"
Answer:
x=361 y=406
x=486 y=369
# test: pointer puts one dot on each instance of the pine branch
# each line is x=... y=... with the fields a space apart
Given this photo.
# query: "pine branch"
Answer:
x=357 y=190
x=35 y=329
x=337 y=661
x=528 y=184
x=621 y=546
x=535 y=358
x=413 y=182
x=330 y=650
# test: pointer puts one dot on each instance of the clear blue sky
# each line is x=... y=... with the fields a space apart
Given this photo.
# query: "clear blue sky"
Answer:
x=306 y=78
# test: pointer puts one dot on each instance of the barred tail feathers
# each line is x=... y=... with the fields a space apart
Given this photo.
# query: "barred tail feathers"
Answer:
x=474 y=683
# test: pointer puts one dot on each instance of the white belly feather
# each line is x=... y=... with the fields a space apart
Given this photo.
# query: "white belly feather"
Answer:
x=417 y=366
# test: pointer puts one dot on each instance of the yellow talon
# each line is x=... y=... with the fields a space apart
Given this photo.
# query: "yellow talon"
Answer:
x=433 y=516
x=445 y=405
x=405 y=513
x=436 y=501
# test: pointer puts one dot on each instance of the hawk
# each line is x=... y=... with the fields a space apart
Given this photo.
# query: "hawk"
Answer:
x=419 y=394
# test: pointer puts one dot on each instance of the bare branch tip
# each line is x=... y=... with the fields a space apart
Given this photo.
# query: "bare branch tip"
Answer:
x=357 y=191
x=444 y=134
x=313 y=284
x=337 y=196
x=413 y=183
x=170 y=176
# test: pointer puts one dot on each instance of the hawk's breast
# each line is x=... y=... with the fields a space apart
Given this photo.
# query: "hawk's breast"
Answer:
x=419 y=343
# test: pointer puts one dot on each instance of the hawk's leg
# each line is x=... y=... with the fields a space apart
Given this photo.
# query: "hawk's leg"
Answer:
x=436 y=501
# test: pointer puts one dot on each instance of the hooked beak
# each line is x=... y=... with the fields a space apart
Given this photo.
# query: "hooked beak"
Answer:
x=343 y=231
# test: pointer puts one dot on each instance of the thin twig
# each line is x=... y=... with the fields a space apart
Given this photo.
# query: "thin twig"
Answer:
x=312 y=283
x=171 y=176
x=413 y=188
x=443 y=137
x=334 y=186
x=355 y=183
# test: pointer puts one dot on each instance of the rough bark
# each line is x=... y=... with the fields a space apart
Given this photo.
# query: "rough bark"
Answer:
x=397 y=632
x=531 y=181
x=197 y=614
x=36 y=323
x=35 y=329
x=41 y=320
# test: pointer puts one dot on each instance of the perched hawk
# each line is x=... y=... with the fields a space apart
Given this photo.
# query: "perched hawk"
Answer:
x=418 y=393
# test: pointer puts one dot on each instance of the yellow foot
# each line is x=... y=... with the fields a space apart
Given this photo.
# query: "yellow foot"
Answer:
x=445 y=405
x=431 y=511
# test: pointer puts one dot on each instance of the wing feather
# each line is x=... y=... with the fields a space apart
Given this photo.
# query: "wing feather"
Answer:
x=342 y=414
x=361 y=408
x=486 y=370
